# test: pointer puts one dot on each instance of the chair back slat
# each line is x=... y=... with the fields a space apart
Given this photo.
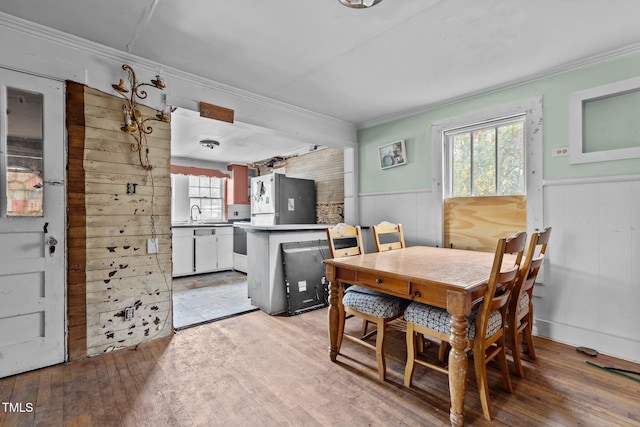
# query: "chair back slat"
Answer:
x=388 y=229
x=341 y=235
x=531 y=265
x=502 y=280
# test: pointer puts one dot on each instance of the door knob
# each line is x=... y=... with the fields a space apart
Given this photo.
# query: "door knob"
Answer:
x=51 y=242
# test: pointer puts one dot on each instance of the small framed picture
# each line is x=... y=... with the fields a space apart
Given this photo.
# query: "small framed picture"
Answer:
x=392 y=155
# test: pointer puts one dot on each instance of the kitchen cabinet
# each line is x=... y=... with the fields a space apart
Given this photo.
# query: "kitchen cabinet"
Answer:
x=202 y=249
x=182 y=251
x=206 y=250
x=225 y=249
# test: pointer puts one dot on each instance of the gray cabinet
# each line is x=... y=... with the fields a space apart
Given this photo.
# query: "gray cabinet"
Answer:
x=202 y=250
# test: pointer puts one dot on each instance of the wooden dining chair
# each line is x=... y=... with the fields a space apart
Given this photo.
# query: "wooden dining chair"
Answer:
x=485 y=332
x=389 y=233
x=389 y=236
x=371 y=306
x=520 y=314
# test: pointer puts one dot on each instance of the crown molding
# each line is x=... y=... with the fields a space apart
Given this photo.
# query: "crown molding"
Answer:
x=93 y=48
x=570 y=66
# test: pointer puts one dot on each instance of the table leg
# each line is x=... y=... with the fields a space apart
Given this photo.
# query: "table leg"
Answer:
x=334 y=313
x=458 y=362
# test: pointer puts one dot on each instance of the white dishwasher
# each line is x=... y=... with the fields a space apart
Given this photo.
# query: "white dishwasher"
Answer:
x=206 y=250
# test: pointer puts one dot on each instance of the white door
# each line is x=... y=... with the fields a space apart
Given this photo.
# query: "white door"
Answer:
x=32 y=223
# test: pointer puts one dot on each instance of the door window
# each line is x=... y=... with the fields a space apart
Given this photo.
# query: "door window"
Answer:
x=24 y=153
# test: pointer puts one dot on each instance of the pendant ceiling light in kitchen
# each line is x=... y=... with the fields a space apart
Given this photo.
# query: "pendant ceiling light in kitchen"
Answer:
x=360 y=4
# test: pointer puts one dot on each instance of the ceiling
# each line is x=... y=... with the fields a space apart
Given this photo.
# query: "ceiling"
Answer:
x=360 y=66
x=239 y=142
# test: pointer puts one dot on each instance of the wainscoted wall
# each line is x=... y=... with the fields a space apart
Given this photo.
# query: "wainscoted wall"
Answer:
x=589 y=292
x=109 y=268
x=326 y=168
x=409 y=208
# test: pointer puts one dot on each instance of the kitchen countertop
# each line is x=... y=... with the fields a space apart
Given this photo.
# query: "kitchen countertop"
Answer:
x=197 y=224
x=282 y=227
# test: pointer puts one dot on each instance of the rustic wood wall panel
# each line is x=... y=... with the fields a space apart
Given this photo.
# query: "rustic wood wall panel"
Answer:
x=478 y=222
x=326 y=168
x=108 y=245
x=76 y=259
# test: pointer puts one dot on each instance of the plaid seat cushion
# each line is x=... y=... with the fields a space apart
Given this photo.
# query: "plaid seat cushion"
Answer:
x=438 y=319
x=373 y=303
x=524 y=302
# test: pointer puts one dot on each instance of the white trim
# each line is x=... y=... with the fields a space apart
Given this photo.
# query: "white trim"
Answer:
x=393 y=193
x=610 y=344
x=590 y=180
x=577 y=100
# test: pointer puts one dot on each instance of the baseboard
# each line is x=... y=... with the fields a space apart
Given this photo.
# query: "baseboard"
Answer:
x=611 y=345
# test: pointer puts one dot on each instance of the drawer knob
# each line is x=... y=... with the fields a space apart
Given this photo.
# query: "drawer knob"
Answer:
x=378 y=281
x=417 y=294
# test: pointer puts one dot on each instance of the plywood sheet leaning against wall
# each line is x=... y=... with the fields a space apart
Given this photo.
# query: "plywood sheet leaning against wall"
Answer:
x=476 y=223
x=119 y=272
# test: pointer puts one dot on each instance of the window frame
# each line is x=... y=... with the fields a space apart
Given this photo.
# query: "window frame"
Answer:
x=577 y=101
x=494 y=123
x=532 y=107
x=199 y=198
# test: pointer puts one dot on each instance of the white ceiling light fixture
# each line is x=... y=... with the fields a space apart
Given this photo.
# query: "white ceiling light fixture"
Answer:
x=360 y=4
x=209 y=143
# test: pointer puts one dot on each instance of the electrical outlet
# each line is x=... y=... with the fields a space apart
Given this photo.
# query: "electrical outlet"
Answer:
x=559 y=151
x=129 y=312
x=152 y=246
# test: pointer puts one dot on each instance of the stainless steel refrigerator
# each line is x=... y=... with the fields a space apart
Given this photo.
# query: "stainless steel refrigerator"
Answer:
x=278 y=199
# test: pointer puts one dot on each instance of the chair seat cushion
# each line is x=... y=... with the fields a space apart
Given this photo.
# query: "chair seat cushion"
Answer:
x=438 y=319
x=373 y=303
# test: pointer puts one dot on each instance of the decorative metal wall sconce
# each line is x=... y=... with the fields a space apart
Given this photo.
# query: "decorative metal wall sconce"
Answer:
x=134 y=123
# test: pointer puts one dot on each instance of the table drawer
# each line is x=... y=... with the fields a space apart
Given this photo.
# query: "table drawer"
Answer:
x=396 y=285
x=436 y=295
x=429 y=293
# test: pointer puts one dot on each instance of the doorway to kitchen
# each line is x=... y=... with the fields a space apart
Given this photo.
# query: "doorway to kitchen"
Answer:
x=206 y=298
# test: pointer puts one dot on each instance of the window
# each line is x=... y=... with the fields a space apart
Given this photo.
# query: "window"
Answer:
x=207 y=193
x=603 y=124
x=24 y=153
x=486 y=159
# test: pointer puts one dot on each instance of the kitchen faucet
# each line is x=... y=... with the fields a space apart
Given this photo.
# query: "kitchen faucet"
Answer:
x=199 y=211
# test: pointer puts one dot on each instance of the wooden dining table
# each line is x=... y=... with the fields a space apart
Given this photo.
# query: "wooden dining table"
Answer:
x=448 y=278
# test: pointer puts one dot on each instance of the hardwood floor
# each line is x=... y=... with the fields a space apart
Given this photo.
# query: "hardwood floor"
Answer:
x=265 y=370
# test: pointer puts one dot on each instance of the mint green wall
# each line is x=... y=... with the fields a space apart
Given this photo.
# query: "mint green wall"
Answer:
x=416 y=131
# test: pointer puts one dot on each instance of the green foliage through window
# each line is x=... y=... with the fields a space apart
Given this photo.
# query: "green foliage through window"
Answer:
x=487 y=159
